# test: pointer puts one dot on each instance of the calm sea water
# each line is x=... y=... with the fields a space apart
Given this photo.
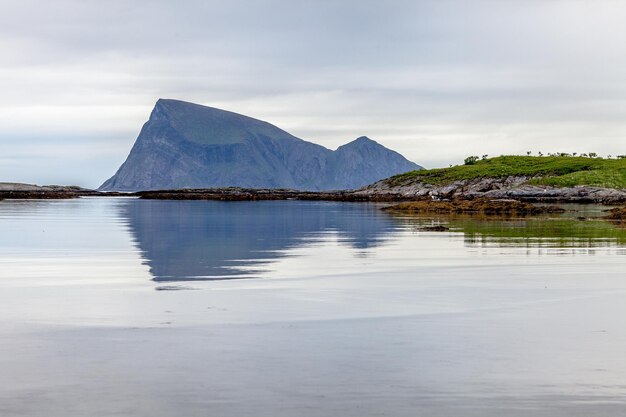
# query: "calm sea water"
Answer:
x=122 y=307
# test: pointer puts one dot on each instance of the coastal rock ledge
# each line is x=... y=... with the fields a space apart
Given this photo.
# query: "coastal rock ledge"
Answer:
x=511 y=187
x=13 y=190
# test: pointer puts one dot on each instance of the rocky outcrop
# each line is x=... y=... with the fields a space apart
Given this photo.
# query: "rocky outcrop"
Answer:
x=254 y=194
x=185 y=145
x=11 y=190
x=513 y=187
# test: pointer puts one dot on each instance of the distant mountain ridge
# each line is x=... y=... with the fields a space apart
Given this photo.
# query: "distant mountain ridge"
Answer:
x=186 y=145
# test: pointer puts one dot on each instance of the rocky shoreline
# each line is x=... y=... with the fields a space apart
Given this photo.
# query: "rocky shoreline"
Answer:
x=509 y=188
x=244 y=194
x=513 y=187
x=18 y=191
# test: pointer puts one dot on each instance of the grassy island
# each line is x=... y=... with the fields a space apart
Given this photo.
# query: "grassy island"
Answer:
x=556 y=171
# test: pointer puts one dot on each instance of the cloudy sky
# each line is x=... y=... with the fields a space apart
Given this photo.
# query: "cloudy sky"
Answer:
x=436 y=80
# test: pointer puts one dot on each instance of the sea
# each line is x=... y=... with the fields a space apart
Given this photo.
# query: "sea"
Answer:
x=126 y=307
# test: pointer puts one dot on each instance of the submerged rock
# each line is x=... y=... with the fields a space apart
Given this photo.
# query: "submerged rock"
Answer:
x=618 y=214
x=480 y=206
x=437 y=228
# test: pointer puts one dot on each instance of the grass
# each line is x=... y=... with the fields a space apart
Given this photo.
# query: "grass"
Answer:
x=558 y=171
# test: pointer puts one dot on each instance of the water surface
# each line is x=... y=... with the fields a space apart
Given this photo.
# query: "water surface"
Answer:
x=190 y=308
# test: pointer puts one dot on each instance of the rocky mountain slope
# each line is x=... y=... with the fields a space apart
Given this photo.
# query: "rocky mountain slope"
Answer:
x=185 y=145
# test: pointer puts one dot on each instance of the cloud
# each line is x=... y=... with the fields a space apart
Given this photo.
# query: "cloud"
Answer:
x=435 y=80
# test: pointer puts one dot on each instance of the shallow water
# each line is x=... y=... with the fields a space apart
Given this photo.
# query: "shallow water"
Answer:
x=123 y=307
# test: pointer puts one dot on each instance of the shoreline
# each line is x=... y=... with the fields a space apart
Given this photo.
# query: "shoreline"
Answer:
x=512 y=188
x=372 y=193
x=248 y=194
x=54 y=194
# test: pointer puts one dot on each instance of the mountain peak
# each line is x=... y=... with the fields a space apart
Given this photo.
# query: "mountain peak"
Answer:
x=188 y=109
x=211 y=126
x=173 y=105
x=361 y=142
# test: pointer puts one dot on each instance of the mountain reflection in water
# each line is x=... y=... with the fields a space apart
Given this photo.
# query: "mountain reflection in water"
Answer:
x=211 y=240
x=208 y=240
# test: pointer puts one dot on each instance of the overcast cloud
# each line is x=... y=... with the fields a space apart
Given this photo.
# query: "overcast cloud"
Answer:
x=434 y=80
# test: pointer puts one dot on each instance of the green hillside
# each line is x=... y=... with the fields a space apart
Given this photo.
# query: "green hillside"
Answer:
x=558 y=171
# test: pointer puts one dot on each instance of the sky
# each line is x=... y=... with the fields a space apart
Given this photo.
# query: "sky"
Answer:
x=435 y=80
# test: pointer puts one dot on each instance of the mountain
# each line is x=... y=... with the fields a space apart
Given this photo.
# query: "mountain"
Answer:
x=186 y=145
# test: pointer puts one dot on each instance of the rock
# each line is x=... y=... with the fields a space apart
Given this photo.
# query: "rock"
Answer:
x=618 y=214
x=512 y=187
x=10 y=190
x=478 y=206
x=438 y=228
x=244 y=194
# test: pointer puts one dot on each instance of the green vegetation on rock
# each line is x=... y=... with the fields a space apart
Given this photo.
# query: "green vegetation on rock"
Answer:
x=557 y=171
